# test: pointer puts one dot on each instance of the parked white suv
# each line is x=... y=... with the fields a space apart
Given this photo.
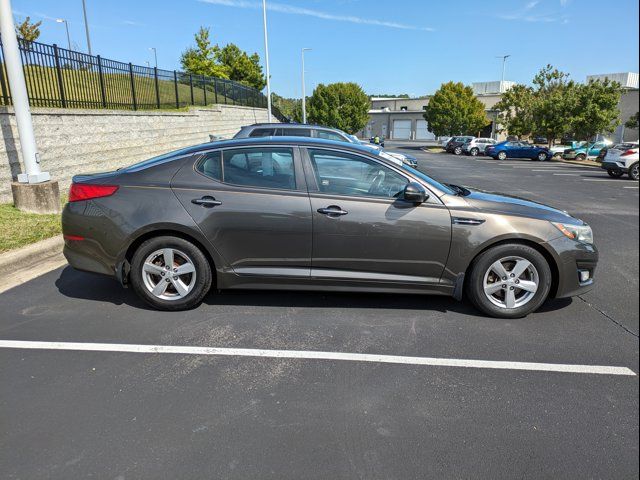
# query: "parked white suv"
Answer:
x=477 y=146
x=622 y=158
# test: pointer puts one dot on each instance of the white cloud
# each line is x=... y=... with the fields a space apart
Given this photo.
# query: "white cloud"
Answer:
x=527 y=14
x=292 y=10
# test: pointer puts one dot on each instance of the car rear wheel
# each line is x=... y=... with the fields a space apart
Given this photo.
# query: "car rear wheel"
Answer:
x=457 y=150
x=542 y=157
x=502 y=156
x=170 y=273
x=615 y=173
x=509 y=281
x=633 y=172
x=581 y=156
x=474 y=152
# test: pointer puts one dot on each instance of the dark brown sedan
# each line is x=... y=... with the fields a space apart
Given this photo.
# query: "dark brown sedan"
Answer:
x=311 y=214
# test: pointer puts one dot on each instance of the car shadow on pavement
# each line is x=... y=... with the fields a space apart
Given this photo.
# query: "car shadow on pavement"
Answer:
x=99 y=288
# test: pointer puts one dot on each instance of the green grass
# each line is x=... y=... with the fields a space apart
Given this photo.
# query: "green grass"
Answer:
x=18 y=229
x=82 y=90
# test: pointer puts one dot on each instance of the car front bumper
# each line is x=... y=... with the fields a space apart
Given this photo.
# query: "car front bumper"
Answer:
x=576 y=264
x=618 y=167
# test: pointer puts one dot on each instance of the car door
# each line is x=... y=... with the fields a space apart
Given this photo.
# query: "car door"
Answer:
x=252 y=205
x=362 y=231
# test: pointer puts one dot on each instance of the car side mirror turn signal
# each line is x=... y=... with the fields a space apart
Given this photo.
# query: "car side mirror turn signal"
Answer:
x=414 y=193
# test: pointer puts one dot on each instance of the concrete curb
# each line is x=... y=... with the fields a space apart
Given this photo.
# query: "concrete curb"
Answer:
x=31 y=261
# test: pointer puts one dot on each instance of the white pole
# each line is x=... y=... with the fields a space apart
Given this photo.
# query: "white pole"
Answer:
x=266 y=57
x=504 y=66
x=304 y=95
x=86 y=25
x=30 y=155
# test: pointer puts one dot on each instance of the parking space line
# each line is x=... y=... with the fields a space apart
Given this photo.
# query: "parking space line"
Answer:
x=635 y=188
x=568 y=174
x=604 y=180
x=317 y=355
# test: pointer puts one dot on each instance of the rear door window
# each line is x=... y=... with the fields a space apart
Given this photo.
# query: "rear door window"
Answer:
x=296 y=132
x=263 y=167
x=330 y=136
x=263 y=132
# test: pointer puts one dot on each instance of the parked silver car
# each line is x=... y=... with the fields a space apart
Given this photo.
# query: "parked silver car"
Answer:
x=477 y=146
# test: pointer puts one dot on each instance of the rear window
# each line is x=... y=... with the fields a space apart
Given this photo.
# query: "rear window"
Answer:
x=167 y=157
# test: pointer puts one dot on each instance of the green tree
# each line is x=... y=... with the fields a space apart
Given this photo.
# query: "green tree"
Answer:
x=204 y=58
x=516 y=111
x=554 y=104
x=633 y=121
x=290 y=107
x=596 y=108
x=339 y=105
x=241 y=67
x=28 y=31
x=454 y=110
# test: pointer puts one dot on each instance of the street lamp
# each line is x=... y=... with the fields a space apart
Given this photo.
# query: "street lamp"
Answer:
x=266 y=57
x=304 y=95
x=155 y=55
x=504 y=62
x=66 y=26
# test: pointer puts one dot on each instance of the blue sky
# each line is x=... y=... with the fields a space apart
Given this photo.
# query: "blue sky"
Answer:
x=391 y=46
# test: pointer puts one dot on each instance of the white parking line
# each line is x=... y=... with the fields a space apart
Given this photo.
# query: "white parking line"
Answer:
x=315 y=355
x=604 y=180
x=635 y=188
x=568 y=174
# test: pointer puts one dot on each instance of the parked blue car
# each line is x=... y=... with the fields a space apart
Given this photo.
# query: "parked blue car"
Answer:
x=504 y=150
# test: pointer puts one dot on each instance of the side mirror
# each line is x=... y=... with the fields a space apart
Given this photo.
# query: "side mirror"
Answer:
x=414 y=193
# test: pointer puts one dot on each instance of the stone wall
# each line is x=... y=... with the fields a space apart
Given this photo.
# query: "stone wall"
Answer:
x=72 y=141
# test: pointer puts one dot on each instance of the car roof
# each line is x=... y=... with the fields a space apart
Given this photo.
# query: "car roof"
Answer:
x=290 y=125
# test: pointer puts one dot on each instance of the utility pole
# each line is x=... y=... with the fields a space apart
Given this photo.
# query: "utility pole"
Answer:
x=504 y=66
x=33 y=191
x=66 y=25
x=86 y=25
x=304 y=95
x=155 y=55
x=266 y=58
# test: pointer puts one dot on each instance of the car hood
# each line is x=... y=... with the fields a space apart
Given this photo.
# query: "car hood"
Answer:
x=510 y=205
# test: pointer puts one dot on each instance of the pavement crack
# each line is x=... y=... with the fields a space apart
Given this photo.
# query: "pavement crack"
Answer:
x=609 y=317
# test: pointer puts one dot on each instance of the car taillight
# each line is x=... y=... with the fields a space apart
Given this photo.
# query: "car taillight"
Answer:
x=85 y=191
x=628 y=152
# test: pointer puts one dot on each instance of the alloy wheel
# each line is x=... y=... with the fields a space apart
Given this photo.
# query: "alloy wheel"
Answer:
x=511 y=282
x=169 y=274
x=634 y=173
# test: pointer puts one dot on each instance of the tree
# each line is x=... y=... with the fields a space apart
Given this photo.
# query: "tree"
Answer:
x=241 y=67
x=204 y=58
x=339 y=105
x=516 y=111
x=555 y=103
x=28 y=31
x=454 y=110
x=290 y=107
x=633 y=121
x=596 y=109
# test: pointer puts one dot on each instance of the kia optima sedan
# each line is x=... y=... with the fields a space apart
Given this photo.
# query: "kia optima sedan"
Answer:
x=287 y=213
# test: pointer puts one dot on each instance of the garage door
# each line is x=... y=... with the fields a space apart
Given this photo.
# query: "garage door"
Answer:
x=402 y=129
x=421 y=131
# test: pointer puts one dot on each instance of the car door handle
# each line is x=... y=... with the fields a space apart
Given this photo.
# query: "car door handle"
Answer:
x=332 y=210
x=207 y=202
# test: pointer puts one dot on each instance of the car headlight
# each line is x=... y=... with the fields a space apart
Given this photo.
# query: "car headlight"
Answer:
x=580 y=233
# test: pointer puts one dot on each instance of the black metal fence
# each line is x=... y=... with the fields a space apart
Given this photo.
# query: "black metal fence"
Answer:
x=57 y=77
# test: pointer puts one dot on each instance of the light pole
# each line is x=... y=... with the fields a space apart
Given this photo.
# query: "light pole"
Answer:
x=86 y=26
x=66 y=26
x=266 y=57
x=304 y=95
x=504 y=66
x=155 y=55
x=20 y=99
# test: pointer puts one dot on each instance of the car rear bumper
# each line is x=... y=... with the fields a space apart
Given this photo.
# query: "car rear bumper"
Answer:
x=576 y=266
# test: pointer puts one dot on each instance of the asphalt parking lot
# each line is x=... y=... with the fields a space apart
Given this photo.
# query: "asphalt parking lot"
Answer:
x=121 y=414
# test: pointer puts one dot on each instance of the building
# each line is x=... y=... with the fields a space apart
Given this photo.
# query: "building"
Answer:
x=402 y=118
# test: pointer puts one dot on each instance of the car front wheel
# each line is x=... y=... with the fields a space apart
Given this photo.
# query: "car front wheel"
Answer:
x=542 y=157
x=633 y=172
x=170 y=273
x=509 y=281
x=457 y=150
x=474 y=152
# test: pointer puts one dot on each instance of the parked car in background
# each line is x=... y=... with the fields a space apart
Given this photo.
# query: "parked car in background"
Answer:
x=443 y=141
x=504 y=150
x=477 y=146
x=621 y=159
x=296 y=213
x=584 y=150
x=539 y=140
x=455 y=144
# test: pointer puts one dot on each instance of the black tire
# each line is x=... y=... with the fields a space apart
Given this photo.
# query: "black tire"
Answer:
x=542 y=157
x=633 y=172
x=474 y=152
x=201 y=284
x=581 y=157
x=502 y=156
x=475 y=280
x=457 y=151
x=615 y=173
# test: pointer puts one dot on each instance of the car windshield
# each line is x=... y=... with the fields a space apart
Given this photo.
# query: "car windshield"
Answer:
x=427 y=179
